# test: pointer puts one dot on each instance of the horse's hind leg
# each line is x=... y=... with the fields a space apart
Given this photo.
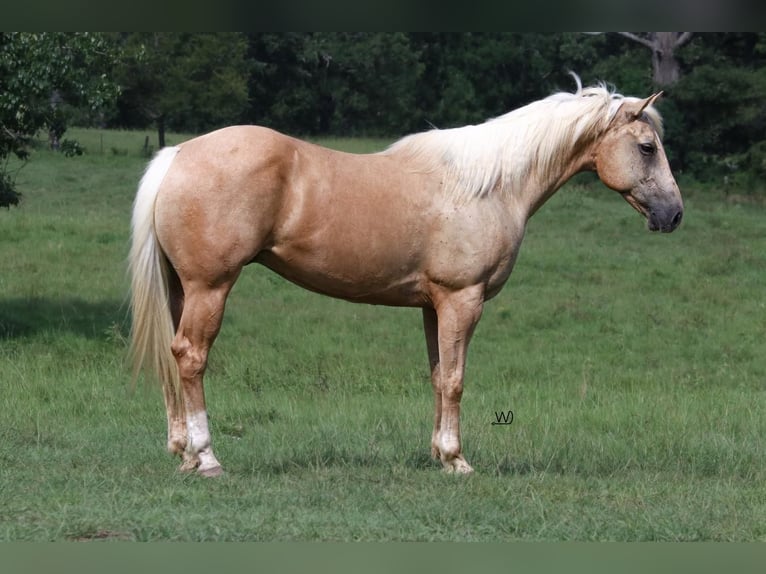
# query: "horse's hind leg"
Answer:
x=176 y=422
x=175 y=412
x=198 y=327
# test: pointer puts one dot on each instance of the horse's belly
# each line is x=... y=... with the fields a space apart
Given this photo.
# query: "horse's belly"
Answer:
x=373 y=280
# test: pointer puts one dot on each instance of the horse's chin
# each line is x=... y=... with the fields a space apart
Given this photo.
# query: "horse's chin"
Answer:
x=640 y=208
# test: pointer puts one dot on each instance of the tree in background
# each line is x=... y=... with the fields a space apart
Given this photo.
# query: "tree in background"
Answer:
x=285 y=86
x=718 y=109
x=39 y=74
x=360 y=83
x=388 y=84
x=182 y=81
x=470 y=77
x=666 y=68
x=367 y=82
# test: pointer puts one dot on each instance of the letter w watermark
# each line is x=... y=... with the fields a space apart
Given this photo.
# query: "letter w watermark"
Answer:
x=503 y=417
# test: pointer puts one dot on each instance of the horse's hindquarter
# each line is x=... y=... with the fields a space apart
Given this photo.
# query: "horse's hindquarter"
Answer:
x=360 y=227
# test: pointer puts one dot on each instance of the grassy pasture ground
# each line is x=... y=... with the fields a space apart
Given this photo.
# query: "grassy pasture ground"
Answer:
x=633 y=364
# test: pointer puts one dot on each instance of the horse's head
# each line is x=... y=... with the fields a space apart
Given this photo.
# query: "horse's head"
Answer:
x=630 y=159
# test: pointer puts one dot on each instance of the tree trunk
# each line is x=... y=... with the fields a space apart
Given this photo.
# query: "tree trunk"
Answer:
x=666 y=69
x=665 y=66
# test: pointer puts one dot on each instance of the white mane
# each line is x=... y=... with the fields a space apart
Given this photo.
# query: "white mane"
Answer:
x=531 y=141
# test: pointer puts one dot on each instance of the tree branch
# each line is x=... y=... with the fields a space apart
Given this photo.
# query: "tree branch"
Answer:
x=683 y=38
x=648 y=43
x=13 y=135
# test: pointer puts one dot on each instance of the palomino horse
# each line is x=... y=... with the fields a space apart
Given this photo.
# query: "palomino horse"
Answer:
x=434 y=221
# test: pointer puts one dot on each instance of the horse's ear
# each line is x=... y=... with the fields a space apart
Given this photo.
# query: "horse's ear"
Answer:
x=651 y=99
x=633 y=110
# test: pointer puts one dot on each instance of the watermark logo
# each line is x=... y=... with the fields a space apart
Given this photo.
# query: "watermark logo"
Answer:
x=503 y=417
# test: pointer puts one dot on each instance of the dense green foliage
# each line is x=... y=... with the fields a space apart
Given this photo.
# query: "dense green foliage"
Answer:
x=179 y=81
x=386 y=84
x=42 y=76
x=633 y=363
x=390 y=84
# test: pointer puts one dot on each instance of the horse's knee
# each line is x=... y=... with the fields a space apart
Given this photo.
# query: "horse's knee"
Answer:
x=452 y=391
x=191 y=361
x=179 y=347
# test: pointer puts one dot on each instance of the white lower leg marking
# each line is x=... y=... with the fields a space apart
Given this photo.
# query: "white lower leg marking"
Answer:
x=199 y=440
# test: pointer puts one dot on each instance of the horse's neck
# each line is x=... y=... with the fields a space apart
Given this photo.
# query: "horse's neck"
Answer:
x=533 y=191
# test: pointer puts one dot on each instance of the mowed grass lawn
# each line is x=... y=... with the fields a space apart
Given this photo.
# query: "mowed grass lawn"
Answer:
x=633 y=363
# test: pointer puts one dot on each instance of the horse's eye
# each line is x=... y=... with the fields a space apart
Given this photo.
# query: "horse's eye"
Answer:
x=647 y=148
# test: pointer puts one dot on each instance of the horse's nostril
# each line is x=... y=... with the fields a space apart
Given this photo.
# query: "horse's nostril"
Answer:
x=677 y=218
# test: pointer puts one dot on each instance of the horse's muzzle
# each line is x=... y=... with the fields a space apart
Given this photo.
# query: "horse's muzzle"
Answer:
x=665 y=220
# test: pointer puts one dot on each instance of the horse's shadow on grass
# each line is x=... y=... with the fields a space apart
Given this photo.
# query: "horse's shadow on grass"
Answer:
x=27 y=317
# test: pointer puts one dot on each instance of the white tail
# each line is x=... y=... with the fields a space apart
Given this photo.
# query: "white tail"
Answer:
x=152 y=331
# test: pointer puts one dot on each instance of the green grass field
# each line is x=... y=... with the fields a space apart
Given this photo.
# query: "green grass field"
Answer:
x=633 y=362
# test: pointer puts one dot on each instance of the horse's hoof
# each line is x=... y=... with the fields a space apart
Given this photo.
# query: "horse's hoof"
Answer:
x=188 y=465
x=211 y=472
x=457 y=465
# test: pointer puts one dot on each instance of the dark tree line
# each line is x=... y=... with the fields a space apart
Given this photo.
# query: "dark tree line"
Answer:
x=387 y=84
x=390 y=84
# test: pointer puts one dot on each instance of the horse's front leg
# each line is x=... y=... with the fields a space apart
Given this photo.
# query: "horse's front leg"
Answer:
x=430 y=326
x=457 y=315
